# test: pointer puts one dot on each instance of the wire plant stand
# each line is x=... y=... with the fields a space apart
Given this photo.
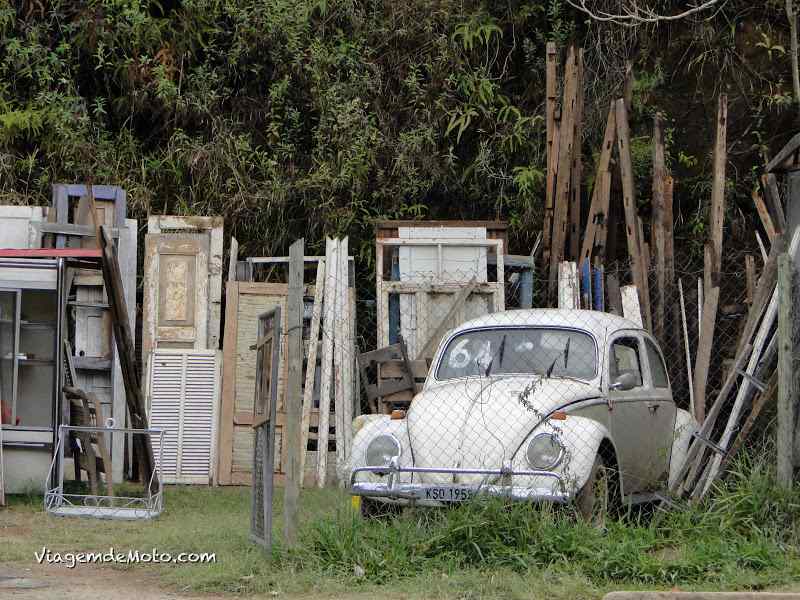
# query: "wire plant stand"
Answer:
x=59 y=503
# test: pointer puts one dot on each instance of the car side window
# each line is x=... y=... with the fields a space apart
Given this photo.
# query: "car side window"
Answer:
x=624 y=357
x=657 y=368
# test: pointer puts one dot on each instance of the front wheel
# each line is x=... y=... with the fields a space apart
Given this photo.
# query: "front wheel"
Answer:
x=597 y=499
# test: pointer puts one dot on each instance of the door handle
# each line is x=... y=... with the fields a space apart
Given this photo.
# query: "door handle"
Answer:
x=652 y=407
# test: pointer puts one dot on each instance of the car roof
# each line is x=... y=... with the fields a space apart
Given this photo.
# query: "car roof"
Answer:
x=595 y=322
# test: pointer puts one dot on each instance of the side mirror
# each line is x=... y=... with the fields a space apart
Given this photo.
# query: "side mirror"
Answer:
x=623 y=382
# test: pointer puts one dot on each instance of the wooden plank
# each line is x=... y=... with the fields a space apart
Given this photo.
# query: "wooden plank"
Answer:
x=600 y=193
x=789 y=151
x=294 y=393
x=704 y=345
x=563 y=179
x=786 y=387
x=630 y=207
x=577 y=165
x=326 y=367
x=586 y=284
x=123 y=338
x=551 y=99
x=750 y=277
x=668 y=226
x=759 y=343
x=763 y=214
x=101 y=441
x=631 y=309
x=432 y=343
x=614 y=294
x=311 y=363
x=657 y=230
x=697 y=450
x=568 y=289
x=233 y=258
x=717 y=215
x=344 y=430
x=773 y=198
x=227 y=409
x=687 y=352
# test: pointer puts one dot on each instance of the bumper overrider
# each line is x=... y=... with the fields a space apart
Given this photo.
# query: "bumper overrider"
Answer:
x=393 y=489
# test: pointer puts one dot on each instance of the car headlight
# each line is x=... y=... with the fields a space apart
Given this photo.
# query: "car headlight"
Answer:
x=544 y=452
x=382 y=450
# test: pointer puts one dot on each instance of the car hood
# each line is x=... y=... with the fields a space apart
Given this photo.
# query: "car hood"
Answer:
x=481 y=422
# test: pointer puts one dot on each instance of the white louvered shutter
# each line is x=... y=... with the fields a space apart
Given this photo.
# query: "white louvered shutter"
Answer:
x=184 y=395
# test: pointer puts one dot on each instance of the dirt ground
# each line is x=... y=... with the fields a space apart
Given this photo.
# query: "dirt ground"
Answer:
x=85 y=582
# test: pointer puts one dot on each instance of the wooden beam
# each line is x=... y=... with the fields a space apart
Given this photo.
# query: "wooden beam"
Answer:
x=668 y=226
x=763 y=214
x=568 y=288
x=631 y=308
x=326 y=366
x=630 y=206
x=233 y=258
x=126 y=350
x=786 y=387
x=577 y=165
x=773 y=198
x=785 y=153
x=688 y=353
x=750 y=277
x=704 y=347
x=657 y=229
x=563 y=180
x=551 y=93
x=294 y=395
x=598 y=217
x=311 y=363
x=614 y=294
x=717 y=216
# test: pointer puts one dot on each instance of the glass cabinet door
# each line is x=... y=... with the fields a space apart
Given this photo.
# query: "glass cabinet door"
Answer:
x=9 y=302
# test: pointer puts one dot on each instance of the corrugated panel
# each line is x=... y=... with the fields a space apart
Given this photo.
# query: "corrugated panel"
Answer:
x=184 y=394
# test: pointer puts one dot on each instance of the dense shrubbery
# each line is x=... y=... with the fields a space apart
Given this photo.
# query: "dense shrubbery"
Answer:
x=745 y=534
x=294 y=117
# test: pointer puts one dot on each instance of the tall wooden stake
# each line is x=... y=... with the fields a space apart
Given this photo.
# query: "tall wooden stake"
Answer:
x=629 y=204
x=551 y=90
x=311 y=365
x=786 y=392
x=564 y=178
x=577 y=165
x=294 y=393
x=657 y=225
x=598 y=210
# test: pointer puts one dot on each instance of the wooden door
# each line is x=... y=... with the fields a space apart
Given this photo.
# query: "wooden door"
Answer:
x=176 y=292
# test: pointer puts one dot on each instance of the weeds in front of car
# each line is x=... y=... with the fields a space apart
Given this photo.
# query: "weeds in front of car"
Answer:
x=745 y=535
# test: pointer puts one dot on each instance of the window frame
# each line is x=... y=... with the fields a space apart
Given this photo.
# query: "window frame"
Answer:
x=644 y=373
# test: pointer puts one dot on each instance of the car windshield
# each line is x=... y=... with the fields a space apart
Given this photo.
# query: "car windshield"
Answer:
x=532 y=350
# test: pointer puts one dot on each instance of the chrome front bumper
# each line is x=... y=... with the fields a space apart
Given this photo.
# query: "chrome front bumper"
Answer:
x=446 y=493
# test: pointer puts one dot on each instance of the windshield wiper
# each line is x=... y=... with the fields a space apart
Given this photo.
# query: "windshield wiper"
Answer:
x=552 y=366
x=500 y=352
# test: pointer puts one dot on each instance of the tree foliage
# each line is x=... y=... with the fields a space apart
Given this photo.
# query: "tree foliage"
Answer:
x=313 y=117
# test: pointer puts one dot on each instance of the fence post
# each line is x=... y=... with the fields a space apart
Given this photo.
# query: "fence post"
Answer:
x=294 y=394
x=786 y=392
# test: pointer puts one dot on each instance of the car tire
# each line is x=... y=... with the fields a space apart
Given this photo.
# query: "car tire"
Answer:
x=375 y=509
x=597 y=499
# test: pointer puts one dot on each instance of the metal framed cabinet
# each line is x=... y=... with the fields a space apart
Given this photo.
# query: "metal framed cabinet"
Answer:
x=31 y=318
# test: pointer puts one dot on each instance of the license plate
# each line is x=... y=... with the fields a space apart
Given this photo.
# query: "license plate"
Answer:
x=449 y=494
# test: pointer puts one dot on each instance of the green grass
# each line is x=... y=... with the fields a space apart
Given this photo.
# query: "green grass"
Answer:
x=745 y=538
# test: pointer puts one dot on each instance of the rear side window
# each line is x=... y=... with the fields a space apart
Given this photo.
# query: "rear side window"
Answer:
x=625 y=359
x=657 y=368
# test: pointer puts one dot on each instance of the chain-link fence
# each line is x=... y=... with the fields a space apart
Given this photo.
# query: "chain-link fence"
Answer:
x=455 y=393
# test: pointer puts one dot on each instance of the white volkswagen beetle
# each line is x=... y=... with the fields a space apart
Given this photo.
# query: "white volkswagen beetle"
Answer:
x=534 y=405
